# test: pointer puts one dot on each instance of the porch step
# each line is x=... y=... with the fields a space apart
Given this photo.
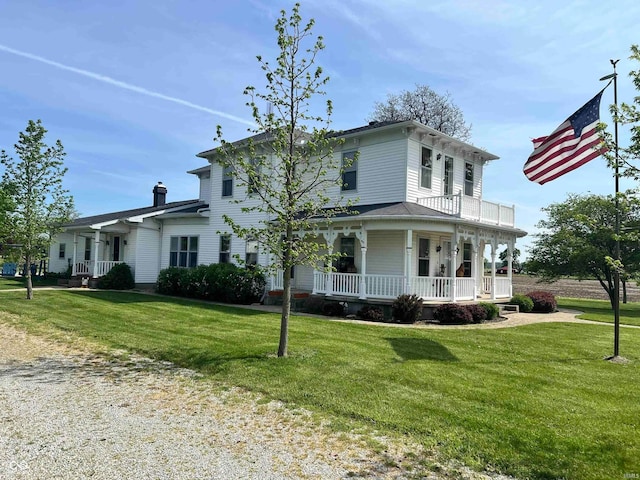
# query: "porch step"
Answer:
x=506 y=309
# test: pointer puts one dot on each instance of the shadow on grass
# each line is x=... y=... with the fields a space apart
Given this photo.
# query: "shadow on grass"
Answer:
x=135 y=297
x=421 y=349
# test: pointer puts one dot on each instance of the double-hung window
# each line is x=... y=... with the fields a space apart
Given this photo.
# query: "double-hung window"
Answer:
x=62 y=250
x=183 y=252
x=251 y=252
x=87 y=248
x=466 y=259
x=349 y=171
x=468 y=179
x=254 y=176
x=347 y=260
x=426 y=167
x=227 y=182
x=225 y=249
x=448 y=175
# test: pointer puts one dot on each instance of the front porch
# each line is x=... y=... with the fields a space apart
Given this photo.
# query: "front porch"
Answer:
x=389 y=287
x=92 y=269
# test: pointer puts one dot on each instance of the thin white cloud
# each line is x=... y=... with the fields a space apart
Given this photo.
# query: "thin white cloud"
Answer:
x=124 y=85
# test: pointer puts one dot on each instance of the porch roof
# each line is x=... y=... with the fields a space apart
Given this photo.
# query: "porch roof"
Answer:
x=185 y=206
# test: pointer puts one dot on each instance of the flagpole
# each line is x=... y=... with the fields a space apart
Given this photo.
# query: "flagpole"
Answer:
x=616 y=272
x=616 y=301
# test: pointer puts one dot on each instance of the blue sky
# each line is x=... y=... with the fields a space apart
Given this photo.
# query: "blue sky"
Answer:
x=135 y=89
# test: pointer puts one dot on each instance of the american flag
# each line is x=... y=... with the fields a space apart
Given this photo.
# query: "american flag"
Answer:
x=570 y=146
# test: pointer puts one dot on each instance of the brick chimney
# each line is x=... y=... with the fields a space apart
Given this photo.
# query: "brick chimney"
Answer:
x=159 y=195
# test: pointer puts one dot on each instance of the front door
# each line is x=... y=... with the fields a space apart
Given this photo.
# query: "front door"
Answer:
x=116 y=249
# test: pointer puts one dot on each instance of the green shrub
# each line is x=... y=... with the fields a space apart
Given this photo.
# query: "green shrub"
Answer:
x=452 y=314
x=407 y=309
x=543 y=301
x=524 y=303
x=221 y=282
x=491 y=310
x=118 y=278
x=372 y=313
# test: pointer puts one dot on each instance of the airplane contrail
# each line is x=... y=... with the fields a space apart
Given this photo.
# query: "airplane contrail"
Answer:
x=124 y=85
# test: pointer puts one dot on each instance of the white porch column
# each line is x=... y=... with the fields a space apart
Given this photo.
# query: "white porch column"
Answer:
x=474 y=268
x=493 y=270
x=75 y=253
x=408 y=258
x=454 y=267
x=330 y=238
x=95 y=256
x=510 y=267
x=362 y=236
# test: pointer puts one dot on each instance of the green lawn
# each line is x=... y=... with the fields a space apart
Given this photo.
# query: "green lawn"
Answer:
x=536 y=401
x=601 y=311
x=7 y=283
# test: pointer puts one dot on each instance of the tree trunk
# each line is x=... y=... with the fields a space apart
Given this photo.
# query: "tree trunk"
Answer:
x=28 y=277
x=286 y=310
x=624 y=291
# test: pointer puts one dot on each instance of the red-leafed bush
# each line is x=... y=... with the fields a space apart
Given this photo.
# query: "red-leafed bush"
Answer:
x=543 y=301
x=452 y=314
x=478 y=313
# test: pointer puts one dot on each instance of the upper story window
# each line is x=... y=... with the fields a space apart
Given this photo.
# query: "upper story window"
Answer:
x=183 y=252
x=468 y=179
x=426 y=167
x=225 y=249
x=254 y=177
x=227 y=182
x=349 y=171
x=448 y=175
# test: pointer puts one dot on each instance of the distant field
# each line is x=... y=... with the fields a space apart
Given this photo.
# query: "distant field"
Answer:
x=589 y=289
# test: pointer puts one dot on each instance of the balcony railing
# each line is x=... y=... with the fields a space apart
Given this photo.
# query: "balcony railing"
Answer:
x=471 y=208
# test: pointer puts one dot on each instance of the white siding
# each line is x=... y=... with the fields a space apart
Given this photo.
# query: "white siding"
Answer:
x=385 y=252
x=129 y=250
x=147 y=251
x=381 y=169
x=205 y=187
x=190 y=227
x=57 y=264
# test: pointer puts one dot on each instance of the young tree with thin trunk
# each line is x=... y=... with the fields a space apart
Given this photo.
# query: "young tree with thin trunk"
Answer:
x=288 y=166
x=40 y=204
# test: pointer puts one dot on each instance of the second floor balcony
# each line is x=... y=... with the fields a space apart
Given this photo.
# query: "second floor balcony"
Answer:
x=472 y=208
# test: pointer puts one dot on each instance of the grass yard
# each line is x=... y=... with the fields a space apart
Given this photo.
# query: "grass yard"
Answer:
x=7 y=283
x=535 y=401
x=601 y=311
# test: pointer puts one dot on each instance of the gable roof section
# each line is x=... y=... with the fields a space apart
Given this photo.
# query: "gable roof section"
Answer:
x=137 y=214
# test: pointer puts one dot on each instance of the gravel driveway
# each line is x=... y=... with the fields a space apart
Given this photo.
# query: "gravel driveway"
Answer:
x=69 y=414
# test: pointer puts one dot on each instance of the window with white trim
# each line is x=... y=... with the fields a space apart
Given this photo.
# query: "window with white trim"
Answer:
x=254 y=177
x=347 y=260
x=227 y=182
x=183 y=252
x=448 y=175
x=349 y=171
x=62 y=250
x=225 y=249
x=87 y=248
x=466 y=259
x=426 y=167
x=468 y=179
x=251 y=252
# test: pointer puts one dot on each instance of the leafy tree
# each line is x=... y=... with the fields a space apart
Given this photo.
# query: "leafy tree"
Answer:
x=39 y=203
x=6 y=206
x=579 y=239
x=515 y=257
x=288 y=165
x=427 y=107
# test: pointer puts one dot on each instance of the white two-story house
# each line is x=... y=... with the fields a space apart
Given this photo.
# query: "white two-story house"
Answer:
x=419 y=223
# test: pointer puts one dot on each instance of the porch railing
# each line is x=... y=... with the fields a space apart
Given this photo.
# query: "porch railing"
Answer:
x=86 y=267
x=503 y=287
x=472 y=208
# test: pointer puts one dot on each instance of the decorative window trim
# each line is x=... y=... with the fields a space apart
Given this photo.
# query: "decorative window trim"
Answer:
x=469 y=175
x=426 y=167
x=447 y=178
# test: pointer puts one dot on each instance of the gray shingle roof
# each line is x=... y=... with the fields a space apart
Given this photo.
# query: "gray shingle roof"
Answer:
x=189 y=206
